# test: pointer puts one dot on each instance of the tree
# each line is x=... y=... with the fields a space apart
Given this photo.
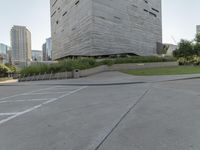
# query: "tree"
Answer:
x=3 y=70
x=12 y=68
x=185 y=49
x=197 y=38
x=196 y=48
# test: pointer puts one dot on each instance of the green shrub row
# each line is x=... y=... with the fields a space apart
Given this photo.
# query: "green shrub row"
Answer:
x=86 y=63
x=61 y=66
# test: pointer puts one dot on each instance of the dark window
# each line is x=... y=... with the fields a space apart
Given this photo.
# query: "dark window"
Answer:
x=152 y=14
x=64 y=13
x=57 y=22
x=54 y=3
x=146 y=10
x=155 y=10
x=102 y=17
x=134 y=6
x=77 y=2
x=146 y=1
x=53 y=13
x=117 y=18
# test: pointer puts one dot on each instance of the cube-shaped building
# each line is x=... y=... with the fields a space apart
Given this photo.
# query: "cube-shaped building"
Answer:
x=105 y=27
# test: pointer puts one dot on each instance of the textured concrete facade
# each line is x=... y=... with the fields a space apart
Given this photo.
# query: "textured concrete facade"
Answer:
x=104 y=27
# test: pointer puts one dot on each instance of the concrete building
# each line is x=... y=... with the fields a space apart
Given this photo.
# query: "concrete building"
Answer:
x=10 y=56
x=4 y=49
x=170 y=48
x=105 y=27
x=21 y=45
x=1 y=59
x=198 y=29
x=47 y=50
x=37 y=55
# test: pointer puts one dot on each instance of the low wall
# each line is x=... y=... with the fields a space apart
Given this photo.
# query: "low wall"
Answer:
x=118 y=67
x=88 y=72
x=99 y=69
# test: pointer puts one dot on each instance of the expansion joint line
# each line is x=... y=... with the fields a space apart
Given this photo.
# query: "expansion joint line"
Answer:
x=121 y=119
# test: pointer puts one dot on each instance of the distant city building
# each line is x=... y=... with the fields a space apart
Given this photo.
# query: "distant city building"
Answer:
x=21 y=45
x=4 y=49
x=170 y=48
x=105 y=27
x=37 y=55
x=44 y=56
x=1 y=59
x=198 y=29
x=47 y=50
x=10 y=56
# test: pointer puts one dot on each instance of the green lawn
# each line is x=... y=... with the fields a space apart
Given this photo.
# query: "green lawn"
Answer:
x=165 y=71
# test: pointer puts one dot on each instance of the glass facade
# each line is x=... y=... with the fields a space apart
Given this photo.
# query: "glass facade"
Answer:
x=47 y=50
x=36 y=55
x=4 y=53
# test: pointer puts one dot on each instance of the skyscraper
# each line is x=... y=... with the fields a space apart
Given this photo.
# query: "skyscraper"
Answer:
x=105 y=27
x=198 y=29
x=47 y=50
x=4 y=53
x=37 y=55
x=21 y=45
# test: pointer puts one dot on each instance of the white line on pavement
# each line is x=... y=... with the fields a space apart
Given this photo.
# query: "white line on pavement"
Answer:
x=28 y=100
x=8 y=114
x=39 y=106
x=45 y=93
x=27 y=93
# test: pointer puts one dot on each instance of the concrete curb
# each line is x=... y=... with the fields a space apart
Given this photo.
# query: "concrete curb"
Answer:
x=124 y=83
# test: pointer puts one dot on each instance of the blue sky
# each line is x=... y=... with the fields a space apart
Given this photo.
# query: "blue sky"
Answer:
x=180 y=18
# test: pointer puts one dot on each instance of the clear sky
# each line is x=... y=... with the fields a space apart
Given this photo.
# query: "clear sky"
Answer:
x=180 y=18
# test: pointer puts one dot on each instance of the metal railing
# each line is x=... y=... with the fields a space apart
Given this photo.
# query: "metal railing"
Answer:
x=45 y=76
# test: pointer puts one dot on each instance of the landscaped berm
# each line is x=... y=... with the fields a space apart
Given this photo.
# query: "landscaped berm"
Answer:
x=87 y=63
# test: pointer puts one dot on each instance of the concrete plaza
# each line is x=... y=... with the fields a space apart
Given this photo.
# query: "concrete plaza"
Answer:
x=108 y=111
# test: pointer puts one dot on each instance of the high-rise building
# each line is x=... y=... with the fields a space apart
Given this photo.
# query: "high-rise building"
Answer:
x=37 y=55
x=21 y=45
x=47 y=50
x=198 y=29
x=4 y=53
x=105 y=27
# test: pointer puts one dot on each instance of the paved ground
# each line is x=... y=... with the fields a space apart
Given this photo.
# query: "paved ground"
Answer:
x=109 y=111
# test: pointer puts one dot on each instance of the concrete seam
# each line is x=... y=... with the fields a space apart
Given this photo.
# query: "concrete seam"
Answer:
x=121 y=119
